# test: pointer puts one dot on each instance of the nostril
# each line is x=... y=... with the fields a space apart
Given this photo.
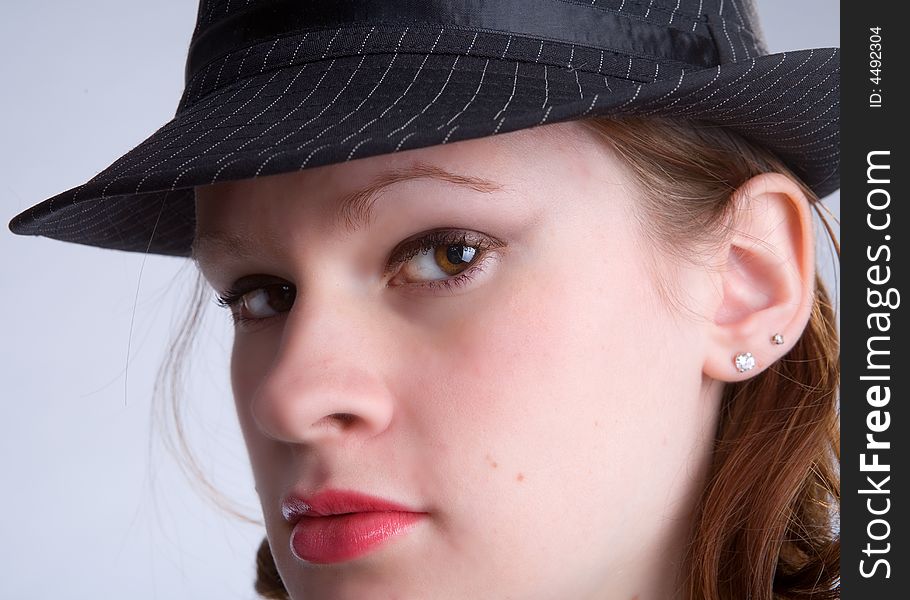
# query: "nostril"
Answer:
x=343 y=418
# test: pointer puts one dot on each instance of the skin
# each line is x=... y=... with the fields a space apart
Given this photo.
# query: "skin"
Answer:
x=554 y=416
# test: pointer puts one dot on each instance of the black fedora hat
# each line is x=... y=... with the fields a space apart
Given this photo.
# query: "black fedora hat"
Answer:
x=279 y=85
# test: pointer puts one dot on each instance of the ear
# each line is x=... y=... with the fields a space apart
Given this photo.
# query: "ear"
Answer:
x=768 y=277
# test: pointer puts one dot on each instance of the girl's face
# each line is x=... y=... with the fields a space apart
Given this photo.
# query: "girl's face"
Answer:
x=522 y=387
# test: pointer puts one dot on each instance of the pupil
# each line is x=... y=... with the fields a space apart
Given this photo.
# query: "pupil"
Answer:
x=456 y=254
x=285 y=297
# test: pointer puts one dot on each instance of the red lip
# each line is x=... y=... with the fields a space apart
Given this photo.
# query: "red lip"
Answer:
x=337 y=525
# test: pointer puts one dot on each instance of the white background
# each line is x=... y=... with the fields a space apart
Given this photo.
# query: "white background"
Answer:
x=92 y=505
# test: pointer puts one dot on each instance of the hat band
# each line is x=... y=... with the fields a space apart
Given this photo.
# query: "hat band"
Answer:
x=564 y=22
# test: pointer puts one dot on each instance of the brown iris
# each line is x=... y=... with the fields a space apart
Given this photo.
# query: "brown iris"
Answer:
x=453 y=259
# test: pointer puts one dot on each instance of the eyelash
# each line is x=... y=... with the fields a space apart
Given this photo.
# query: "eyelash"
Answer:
x=425 y=243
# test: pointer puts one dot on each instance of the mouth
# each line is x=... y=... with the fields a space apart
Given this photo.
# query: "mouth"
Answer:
x=337 y=525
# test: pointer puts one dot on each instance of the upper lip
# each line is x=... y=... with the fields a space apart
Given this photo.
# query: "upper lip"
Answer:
x=336 y=502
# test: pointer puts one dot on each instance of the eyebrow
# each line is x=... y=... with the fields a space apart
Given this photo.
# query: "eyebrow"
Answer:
x=354 y=210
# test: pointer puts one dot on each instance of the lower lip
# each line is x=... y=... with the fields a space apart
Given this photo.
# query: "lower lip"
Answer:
x=338 y=538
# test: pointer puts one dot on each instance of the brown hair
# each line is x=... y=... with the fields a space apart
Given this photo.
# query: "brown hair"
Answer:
x=764 y=527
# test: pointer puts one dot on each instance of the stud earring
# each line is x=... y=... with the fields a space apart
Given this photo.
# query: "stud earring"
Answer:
x=777 y=339
x=744 y=361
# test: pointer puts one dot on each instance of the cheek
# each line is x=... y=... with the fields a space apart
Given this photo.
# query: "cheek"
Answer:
x=562 y=339
x=559 y=388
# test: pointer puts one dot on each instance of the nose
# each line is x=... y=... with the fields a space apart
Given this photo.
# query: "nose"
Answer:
x=325 y=383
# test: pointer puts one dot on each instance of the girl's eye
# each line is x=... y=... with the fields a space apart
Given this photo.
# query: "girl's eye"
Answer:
x=435 y=260
x=442 y=259
x=263 y=301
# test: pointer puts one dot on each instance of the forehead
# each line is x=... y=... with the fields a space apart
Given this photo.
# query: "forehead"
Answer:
x=342 y=195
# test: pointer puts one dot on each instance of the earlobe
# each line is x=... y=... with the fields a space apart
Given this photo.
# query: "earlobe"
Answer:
x=767 y=278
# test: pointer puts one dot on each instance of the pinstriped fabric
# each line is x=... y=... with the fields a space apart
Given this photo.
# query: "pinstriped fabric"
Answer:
x=325 y=96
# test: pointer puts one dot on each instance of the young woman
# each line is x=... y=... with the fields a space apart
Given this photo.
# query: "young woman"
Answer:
x=581 y=353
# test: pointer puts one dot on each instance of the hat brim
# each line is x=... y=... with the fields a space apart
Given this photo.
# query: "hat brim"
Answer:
x=381 y=103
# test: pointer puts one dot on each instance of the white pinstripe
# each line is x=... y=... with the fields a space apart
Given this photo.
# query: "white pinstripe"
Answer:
x=362 y=102
x=776 y=81
x=578 y=83
x=354 y=149
x=398 y=147
x=761 y=124
x=738 y=14
x=808 y=134
x=401 y=142
x=512 y=95
x=259 y=136
x=148 y=150
x=799 y=84
x=508 y=43
x=299 y=105
x=381 y=79
x=364 y=43
x=632 y=99
x=310 y=155
x=648 y=12
x=817 y=117
x=742 y=75
x=327 y=106
x=723 y=23
x=286 y=136
x=546 y=87
x=593 y=102
x=218 y=78
x=267 y=54
x=668 y=94
x=416 y=75
x=431 y=102
x=331 y=41
x=697 y=15
x=297 y=49
x=742 y=40
x=242 y=60
x=221 y=141
x=472 y=44
x=152 y=154
x=446 y=138
x=673 y=14
x=539 y=50
x=629 y=70
x=302 y=102
x=716 y=75
x=468 y=103
x=498 y=125
x=757 y=82
x=150 y=170
x=388 y=108
x=206 y=73
x=545 y=115
x=796 y=103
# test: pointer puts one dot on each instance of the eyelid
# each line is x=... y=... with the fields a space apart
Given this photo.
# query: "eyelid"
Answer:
x=409 y=248
x=250 y=283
